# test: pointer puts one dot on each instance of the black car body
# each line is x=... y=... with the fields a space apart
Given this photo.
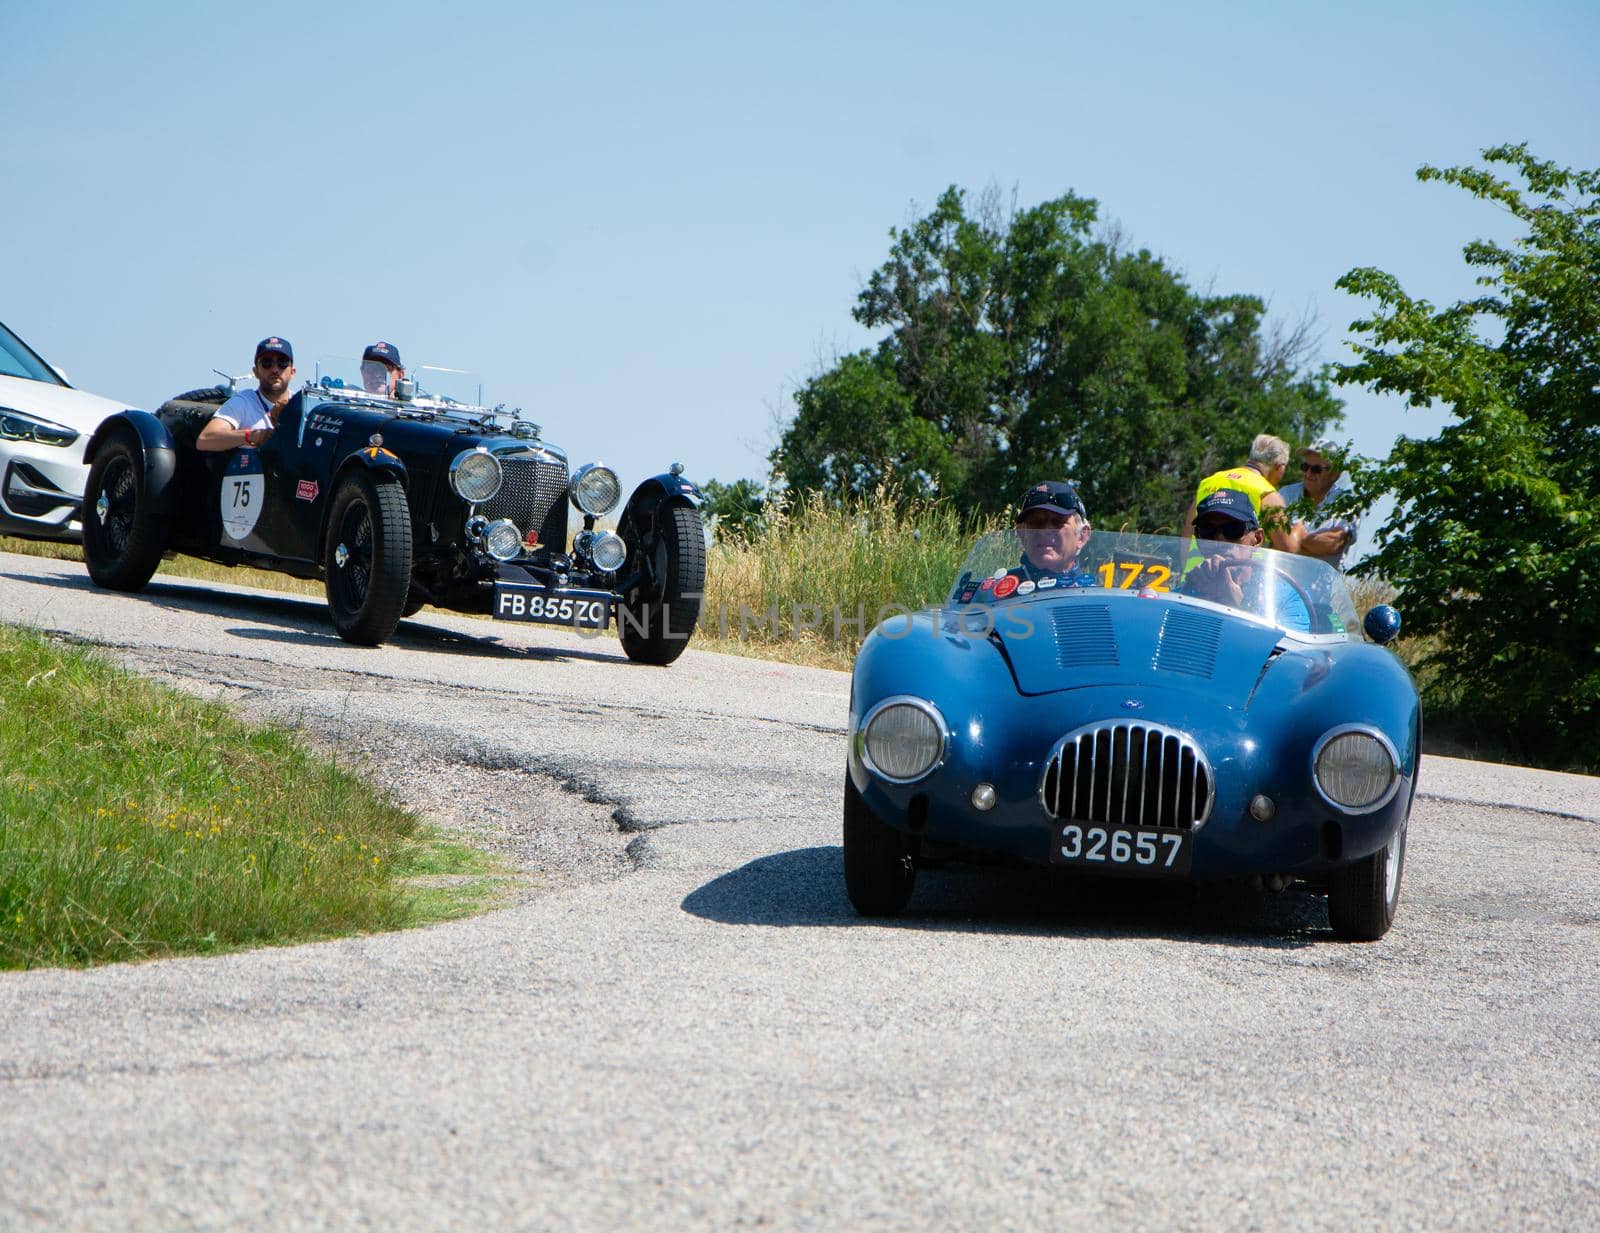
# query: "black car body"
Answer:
x=397 y=502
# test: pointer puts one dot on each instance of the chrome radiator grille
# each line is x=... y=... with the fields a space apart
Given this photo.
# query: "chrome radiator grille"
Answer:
x=1128 y=774
x=533 y=494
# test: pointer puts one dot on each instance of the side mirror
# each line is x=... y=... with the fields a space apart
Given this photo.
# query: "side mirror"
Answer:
x=1382 y=624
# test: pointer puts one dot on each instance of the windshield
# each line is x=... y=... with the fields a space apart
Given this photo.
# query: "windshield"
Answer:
x=18 y=360
x=435 y=385
x=1302 y=595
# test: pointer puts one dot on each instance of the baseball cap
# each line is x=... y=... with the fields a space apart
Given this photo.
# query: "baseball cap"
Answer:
x=1229 y=503
x=276 y=345
x=387 y=352
x=1326 y=446
x=1056 y=496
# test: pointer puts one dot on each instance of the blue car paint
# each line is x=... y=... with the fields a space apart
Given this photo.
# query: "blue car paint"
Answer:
x=1258 y=714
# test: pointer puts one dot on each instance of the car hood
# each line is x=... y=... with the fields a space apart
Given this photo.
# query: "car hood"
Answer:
x=1080 y=641
x=60 y=404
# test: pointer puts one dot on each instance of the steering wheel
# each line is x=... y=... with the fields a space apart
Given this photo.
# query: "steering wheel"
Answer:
x=1312 y=618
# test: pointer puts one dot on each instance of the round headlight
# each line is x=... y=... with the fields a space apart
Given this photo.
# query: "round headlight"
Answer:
x=502 y=539
x=595 y=489
x=903 y=739
x=607 y=551
x=475 y=475
x=1356 y=769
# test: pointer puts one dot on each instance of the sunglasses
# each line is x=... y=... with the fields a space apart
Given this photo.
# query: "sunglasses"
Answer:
x=1314 y=468
x=1231 y=532
x=273 y=361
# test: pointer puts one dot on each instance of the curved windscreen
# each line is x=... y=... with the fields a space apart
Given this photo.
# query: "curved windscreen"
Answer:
x=1296 y=594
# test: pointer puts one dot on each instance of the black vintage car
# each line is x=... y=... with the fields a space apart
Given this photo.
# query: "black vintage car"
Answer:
x=396 y=502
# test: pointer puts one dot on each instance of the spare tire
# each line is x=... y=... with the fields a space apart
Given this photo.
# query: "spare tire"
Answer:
x=217 y=394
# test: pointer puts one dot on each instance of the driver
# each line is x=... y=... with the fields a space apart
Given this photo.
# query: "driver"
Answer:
x=249 y=417
x=381 y=368
x=1228 y=571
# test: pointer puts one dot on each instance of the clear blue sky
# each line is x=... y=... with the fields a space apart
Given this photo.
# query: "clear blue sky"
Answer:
x=645 y=224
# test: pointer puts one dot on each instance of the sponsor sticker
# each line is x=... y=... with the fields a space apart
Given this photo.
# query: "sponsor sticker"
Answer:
x=986 y=585
x=1004 y=587
x=1046 y=583
x=306 y=490
x=966 y=595
x=1024 y=588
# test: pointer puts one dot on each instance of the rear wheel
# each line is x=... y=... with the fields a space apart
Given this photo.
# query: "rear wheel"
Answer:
x=879 y=874
x=367 y=558
x=1363 y=897
x=124 y=523
x=655 y=630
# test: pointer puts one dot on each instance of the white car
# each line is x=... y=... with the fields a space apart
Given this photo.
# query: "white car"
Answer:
x=44 y=425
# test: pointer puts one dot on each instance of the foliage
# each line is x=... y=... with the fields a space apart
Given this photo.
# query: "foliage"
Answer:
x=141 y=822
x=1493 y=540
x=815 y=579
x=1021 y=346
x=736 y=508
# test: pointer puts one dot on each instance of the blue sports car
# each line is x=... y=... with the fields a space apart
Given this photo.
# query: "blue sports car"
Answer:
x=1166 y=708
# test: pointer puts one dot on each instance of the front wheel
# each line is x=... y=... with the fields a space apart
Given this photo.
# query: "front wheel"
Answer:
x=367 y=558
x=124 y=522
x=1363 y=897
x=879 y=872
x=656 y=630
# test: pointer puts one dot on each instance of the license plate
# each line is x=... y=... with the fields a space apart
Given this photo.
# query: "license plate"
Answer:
x=579 y=609
x=1123 y=849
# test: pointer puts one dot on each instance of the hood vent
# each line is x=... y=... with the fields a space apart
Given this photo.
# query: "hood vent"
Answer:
x=1084 y=636
x=1188 y=642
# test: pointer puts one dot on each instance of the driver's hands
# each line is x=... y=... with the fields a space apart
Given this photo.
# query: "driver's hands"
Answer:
x=276 y=409
x=1215 y=578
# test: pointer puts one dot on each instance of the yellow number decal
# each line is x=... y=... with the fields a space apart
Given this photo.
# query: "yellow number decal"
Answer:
x=1160 y=575
x=1105 y=574
x=1131 y=569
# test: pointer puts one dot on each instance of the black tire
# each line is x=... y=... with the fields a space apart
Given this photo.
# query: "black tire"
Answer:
x=413 y=606
x=367 y=558
x=879 y=867
x=124 y=540
x=656 y=627
x=1363 y=897
x=214 y=394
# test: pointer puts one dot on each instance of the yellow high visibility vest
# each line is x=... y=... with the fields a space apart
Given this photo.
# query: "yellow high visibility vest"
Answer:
x=1241 y=478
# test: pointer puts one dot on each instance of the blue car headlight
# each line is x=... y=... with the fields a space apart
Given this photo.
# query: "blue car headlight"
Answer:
x=1355 y=769
x=903 y=738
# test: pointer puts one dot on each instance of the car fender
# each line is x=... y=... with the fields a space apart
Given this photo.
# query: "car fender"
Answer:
x=372 y=458
x=650 y=498
x=155 y=443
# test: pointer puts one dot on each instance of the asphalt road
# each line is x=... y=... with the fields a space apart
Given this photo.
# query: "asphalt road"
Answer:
x=683 y=1026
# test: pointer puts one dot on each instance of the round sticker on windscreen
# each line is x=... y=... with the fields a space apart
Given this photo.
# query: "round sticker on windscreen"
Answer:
x=1004 y=587
x=243 y=487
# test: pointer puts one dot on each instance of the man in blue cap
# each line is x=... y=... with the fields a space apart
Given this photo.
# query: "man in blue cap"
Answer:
x=1228 y=533
x=1052 y=526
x=381 y=368
x=249 y=417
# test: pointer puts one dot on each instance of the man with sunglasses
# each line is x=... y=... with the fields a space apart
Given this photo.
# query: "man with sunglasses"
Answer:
x=249 y=417
x=1258 y=478
x=381 y=368
x=1228 y=571
x=1323 y=480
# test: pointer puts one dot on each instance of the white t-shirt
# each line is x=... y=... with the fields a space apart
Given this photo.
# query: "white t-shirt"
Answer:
x=248 y=409
x=1292 y=493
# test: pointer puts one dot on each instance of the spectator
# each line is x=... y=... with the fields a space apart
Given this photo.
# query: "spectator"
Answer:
x=1322 y=466
x=1258 y=479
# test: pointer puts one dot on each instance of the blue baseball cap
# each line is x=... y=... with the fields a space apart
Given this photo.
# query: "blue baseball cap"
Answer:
x=388 y=353
x=277 y=346
x=1231 y=504
x=1056 y=496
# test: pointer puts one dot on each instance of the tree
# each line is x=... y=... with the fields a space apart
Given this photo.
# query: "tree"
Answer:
x=1021 y=346
x=1493 y=540
x=737 y=508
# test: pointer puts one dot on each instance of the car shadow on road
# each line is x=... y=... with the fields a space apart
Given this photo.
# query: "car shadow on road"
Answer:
x=306 y=620
x=806 y=887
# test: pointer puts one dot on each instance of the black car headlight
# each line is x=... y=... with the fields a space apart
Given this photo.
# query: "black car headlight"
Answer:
x=595 y=488
x=20 y=426
x=475 y=475
x=903 y=738
x=606 y=549
x=1355 y=769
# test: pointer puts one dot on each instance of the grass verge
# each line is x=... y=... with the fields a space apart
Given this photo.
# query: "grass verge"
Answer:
x=138 y=822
